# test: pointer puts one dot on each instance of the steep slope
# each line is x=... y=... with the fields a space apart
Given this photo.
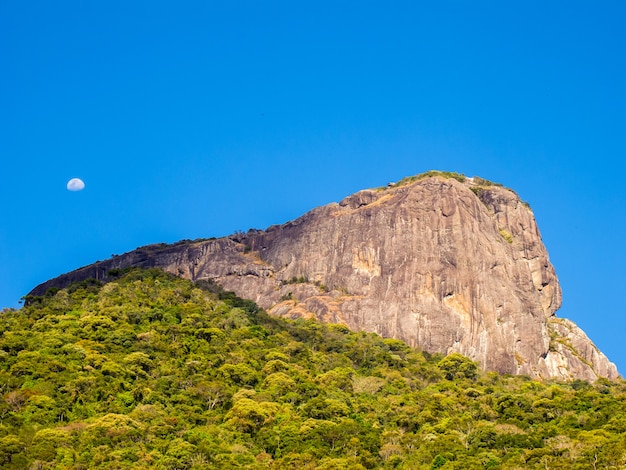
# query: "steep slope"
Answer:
x=443 y=262
x=154 y=372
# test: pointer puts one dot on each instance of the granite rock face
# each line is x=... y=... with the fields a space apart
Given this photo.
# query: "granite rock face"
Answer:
x=445 y=264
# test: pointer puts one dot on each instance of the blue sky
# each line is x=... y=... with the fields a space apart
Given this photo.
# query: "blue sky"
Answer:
x=196 y=119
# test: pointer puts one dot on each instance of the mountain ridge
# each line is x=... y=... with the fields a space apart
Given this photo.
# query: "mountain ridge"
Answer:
x=444 y=262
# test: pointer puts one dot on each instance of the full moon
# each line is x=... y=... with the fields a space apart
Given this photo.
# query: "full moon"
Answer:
x=75 y=184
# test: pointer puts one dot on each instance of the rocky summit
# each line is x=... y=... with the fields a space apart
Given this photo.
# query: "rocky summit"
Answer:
x=443 y=262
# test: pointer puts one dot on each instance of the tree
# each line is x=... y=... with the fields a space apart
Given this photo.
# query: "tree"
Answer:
x=456 y=366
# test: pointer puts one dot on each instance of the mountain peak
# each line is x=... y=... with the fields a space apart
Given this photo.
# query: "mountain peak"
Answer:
x=444 y=262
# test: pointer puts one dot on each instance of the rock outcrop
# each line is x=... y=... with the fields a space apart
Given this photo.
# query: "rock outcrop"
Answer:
x=443 y=262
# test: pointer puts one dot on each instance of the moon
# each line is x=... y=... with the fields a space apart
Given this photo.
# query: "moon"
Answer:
x=75 y=184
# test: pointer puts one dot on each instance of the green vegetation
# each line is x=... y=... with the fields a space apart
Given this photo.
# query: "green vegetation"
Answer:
x=151 y=371
x=506 y=235
x=478 y=190
x=482 y=185
x=485 y=183
x=321 y=286
x=481 y=189
x=295 y=280
x=441 y=174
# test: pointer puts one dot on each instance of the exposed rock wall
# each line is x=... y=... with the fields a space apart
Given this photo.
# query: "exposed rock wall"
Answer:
x=445 y=265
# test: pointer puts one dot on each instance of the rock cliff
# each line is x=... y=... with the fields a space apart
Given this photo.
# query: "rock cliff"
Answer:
x=443 y=262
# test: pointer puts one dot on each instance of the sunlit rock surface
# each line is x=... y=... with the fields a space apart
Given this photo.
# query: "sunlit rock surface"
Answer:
x=443 y=264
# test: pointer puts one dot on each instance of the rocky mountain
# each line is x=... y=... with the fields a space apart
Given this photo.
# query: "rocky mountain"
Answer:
x=443 y=262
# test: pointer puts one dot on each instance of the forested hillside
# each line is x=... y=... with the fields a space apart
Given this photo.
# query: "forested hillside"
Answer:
x=151 y=371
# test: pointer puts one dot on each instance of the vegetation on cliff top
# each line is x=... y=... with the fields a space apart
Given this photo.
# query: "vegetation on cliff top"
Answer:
x=443 y=174
x=476 y=180
x=479 y=186
x=151 y=371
